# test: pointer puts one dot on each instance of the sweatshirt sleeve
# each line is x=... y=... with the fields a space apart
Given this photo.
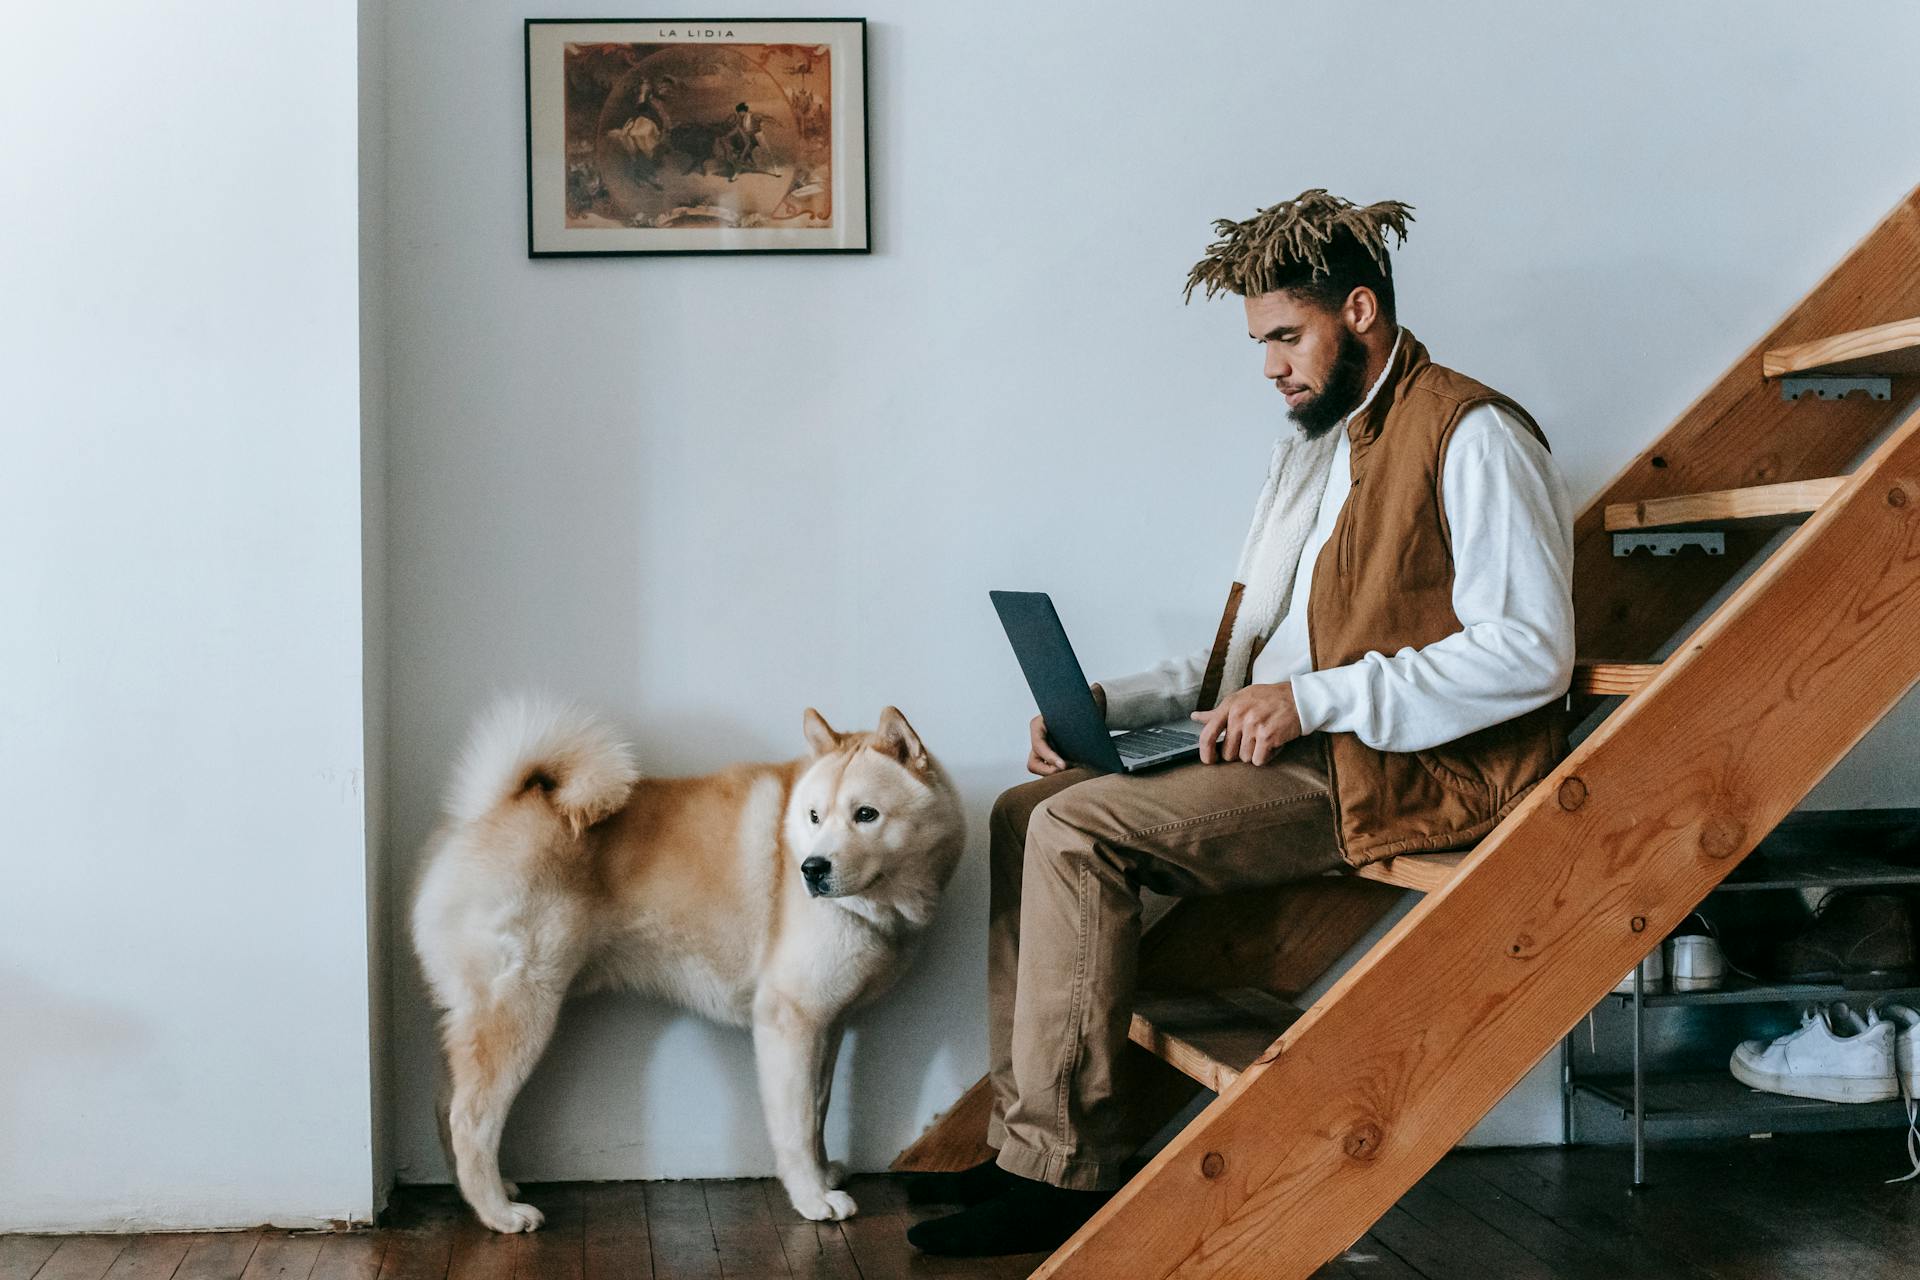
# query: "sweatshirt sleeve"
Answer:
x=1163 y=692
x=1512 y=529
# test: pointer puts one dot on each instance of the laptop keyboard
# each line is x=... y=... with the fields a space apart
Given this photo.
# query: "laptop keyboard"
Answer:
x=1142 y=743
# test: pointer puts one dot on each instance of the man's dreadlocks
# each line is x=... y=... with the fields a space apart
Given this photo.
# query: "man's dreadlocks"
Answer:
x=1316 y=243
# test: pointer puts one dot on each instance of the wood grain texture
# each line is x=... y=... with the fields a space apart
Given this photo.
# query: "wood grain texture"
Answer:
x=957 y=1138
x=21 y=1256
x=743 y=1230
x=1611 y=679
x=83 y=1257
x=1421 y=872
x=814 y=1250
x=281 y=1256
x=1211 y=1036
x=617 y=1245
x=1418 y=1041
x=682 y=1233
x=1890 y=349
x=421 y=1242
x=220 y=1256
x=1737 y=434
x=347 y=1255
x=1765 y=506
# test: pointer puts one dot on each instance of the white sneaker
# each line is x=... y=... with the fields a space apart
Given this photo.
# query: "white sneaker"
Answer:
x=1835 y=1056
x=1906 y=1043
x=1906 y=1058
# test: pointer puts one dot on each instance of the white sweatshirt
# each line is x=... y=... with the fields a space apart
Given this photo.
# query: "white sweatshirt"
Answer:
x=1512 y=537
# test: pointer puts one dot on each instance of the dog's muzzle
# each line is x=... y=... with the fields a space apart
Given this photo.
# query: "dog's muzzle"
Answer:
x=818 y=873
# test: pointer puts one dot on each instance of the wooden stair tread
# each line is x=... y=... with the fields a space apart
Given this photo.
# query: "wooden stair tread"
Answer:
x=1424 y=872
x=1600 y=678
x=1890 y=349
x=1212 y=1036
x=1758 y=506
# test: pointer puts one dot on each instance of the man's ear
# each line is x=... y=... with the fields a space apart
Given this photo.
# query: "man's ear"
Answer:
x=1361 y=310
x=820 y=734
x=896 y=738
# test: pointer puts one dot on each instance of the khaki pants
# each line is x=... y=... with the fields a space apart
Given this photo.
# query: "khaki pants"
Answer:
x=1070 y=855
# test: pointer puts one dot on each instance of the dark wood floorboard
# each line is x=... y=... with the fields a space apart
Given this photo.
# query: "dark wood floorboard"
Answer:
x=813 y=1250
x=681 y=1232
x=21 y=1256
x=283 y=1256
x=83 y=1257
x=219 y=1255
x=347 y=1256
x=616 y=1243
x=1800 y=1208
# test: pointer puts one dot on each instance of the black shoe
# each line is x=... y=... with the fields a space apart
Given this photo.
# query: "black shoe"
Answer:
x=1855 y=939
x=967 y=1186
x=1028 y=1217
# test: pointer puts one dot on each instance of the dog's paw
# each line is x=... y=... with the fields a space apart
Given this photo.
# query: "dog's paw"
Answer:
x=825 y=1206
x=513 y=1188
x=836 y=1174
x=514 y=1218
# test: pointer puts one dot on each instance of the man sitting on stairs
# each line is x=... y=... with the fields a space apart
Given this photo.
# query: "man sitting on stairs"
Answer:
x=1394 y=697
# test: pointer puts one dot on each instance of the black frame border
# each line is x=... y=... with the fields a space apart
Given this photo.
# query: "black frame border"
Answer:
x=866 y=149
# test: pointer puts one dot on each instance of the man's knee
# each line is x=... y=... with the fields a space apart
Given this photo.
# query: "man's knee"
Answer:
x=1014 y=809
x=1067 y=826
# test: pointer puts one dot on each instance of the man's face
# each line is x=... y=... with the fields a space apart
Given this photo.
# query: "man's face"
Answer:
x=1312 y=358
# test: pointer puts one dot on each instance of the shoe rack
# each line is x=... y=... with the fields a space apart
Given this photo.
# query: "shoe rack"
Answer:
x=1651 y=1063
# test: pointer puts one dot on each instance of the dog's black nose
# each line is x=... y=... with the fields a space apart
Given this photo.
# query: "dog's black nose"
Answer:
x=815 y=868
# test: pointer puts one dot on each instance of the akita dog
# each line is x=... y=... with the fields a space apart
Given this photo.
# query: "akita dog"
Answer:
x=775 y=896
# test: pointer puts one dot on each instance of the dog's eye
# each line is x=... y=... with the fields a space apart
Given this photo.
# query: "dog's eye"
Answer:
x=813 y=816
x=865 y=813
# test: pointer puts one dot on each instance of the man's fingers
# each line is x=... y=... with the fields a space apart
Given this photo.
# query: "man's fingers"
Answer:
x=1209 y=730
x=1262 y=749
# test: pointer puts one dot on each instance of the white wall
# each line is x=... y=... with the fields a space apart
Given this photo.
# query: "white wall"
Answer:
x=707 y=492
x=183 y=938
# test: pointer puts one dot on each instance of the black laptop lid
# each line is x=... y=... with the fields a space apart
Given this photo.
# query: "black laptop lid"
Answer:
x=1053 y=673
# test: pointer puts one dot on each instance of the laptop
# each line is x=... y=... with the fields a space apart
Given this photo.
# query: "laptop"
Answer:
x=1060 y=688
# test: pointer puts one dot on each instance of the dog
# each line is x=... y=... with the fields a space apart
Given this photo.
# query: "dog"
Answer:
x=773 y=896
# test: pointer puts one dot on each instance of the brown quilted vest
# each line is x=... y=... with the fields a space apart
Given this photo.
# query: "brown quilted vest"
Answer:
x=1384 y=582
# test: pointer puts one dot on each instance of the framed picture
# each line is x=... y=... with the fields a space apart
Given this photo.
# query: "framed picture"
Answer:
x=705 y=135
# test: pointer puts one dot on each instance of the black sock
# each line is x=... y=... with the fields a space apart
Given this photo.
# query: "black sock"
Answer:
x=1028 y=1217
x=965 y=1186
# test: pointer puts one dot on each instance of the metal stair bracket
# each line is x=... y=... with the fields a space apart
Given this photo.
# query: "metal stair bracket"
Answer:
x=1835 y=387
x=1670 y=544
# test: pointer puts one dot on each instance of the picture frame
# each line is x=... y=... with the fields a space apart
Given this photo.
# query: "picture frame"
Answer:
x=696 y=136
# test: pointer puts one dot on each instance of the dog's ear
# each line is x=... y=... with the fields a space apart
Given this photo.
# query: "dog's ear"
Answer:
x=820 y=734
x=896 y=738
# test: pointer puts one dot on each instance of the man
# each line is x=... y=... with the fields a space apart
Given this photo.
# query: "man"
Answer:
x=1381 y=683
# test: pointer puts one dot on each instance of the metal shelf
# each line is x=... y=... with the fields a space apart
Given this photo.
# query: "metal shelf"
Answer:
x=1740 y=990
x=1837 y=871
x=1808 y=850
x=1690 y=1096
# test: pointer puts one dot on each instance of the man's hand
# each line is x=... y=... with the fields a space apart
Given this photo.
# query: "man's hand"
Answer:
x=1257 y=721
x=1042 y=759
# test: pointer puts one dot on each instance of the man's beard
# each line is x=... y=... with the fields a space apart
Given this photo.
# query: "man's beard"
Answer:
x=1346 y=384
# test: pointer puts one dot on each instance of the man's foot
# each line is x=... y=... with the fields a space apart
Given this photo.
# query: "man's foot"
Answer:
x=967 y=1186
x=1028 y=1217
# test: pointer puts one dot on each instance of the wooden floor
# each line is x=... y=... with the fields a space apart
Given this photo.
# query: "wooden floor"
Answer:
x=1792 y=1208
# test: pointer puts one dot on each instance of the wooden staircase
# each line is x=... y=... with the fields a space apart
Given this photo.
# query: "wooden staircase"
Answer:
x=1325 y=1117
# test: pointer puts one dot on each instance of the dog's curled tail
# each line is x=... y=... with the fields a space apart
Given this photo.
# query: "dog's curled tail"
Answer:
x=530 y=744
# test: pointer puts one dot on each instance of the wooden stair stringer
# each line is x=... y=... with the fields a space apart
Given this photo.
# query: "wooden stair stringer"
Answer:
x=1738 y=434
x=1411 y=1047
